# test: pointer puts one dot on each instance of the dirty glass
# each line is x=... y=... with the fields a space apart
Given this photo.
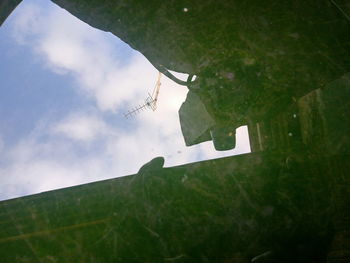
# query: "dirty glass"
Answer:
x=177 y=131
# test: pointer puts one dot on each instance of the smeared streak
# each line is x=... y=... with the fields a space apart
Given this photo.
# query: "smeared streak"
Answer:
x=45 y=232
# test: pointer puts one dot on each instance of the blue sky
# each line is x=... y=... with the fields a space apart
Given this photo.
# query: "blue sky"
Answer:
x=64 y=89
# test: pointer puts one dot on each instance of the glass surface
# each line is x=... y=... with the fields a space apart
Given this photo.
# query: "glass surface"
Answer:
x=173 y=92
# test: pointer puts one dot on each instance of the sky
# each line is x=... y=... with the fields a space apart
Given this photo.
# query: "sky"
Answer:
x=65 y=87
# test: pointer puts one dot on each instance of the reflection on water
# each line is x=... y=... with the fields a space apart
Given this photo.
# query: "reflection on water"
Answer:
x=279 y=68
x=66 y=87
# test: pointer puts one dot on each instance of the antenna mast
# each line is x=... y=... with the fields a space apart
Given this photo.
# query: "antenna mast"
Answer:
x=150 y=101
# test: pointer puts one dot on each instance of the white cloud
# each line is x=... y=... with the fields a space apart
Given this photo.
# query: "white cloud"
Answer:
x=81 y=127
x=69 y=46
x=27 y=18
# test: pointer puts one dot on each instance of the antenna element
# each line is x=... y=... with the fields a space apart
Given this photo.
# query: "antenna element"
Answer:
x=150 y=101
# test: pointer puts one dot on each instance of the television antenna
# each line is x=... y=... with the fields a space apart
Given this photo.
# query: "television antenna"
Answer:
x=150 y=101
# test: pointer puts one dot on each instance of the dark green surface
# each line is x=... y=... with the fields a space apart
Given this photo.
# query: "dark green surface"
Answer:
x=206 y=212
x=6 y=7
x=252 y=58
